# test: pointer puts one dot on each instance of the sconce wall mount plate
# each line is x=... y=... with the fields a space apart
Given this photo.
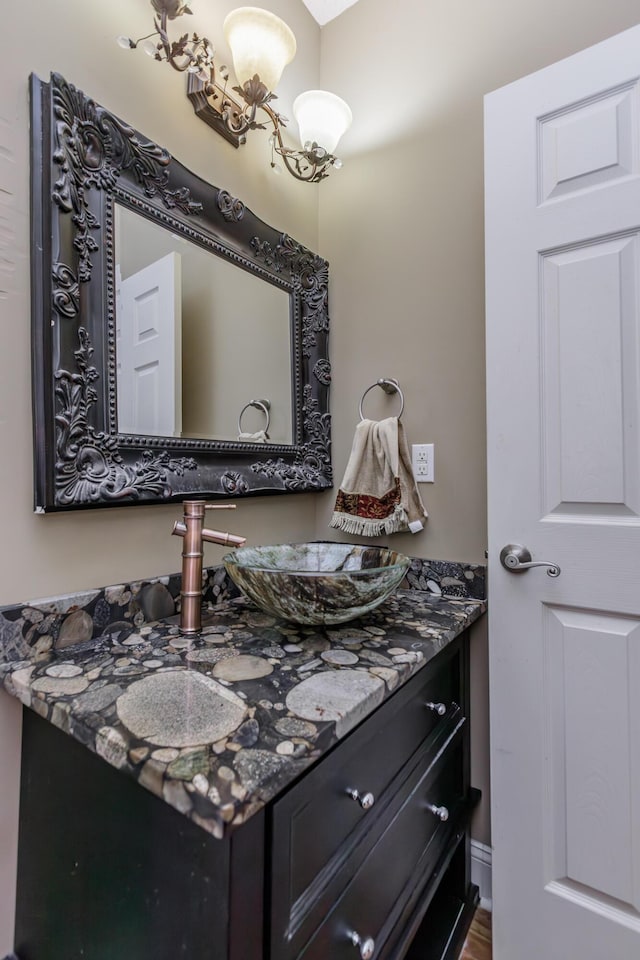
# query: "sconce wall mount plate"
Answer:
x=208 y=101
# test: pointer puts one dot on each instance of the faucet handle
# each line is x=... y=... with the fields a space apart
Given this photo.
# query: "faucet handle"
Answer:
x=220 y=506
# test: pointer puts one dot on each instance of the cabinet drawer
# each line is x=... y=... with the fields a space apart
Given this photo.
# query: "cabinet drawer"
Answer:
x=314 y=824
x=399 y=862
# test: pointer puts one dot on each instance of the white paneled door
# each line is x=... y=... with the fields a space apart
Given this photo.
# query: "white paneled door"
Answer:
x=563 y=358
x=149 y=349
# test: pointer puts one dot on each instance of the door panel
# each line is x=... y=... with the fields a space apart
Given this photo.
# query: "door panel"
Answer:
x=590 y=143
x=595 y=792
x=589 y=325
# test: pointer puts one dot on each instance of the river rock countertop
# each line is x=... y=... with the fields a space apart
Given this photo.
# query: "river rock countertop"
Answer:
x=219 y=724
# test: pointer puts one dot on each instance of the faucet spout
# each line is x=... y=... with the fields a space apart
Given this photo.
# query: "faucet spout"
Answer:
x=226 y=539
x=211 y=536
x=193 y=533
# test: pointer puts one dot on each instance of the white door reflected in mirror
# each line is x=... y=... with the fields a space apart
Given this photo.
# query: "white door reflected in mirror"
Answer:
x=149 y=349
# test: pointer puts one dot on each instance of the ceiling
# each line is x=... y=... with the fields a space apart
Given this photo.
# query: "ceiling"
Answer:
x=325 y=10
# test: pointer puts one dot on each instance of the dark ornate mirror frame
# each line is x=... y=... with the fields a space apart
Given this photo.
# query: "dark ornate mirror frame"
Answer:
x=83 y=159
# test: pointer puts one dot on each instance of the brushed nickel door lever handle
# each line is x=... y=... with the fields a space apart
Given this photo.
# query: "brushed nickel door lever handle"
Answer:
x=515 y=558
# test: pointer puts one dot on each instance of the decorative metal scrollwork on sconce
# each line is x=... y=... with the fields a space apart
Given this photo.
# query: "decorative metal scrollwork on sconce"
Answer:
x=261 y=45
x=194 y=53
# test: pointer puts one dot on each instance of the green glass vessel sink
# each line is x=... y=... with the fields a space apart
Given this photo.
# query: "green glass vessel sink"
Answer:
x=317 y=583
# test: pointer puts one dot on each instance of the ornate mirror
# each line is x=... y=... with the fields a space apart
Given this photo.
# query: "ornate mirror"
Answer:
x=180 y=343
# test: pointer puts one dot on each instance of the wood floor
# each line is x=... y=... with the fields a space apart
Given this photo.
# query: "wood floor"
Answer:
x=477 y=946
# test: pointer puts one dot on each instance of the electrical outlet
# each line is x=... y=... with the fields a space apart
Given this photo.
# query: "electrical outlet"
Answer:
x=422 y=462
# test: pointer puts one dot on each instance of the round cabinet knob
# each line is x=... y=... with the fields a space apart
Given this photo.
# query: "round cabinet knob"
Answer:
x=439 y=708
x=440 y=812
x=366 y=800
x=366 y=947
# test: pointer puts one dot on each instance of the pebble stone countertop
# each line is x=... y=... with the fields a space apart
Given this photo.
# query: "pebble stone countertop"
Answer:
x=219 y=724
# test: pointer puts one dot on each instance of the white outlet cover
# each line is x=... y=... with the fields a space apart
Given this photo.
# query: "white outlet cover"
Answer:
x=422 y=462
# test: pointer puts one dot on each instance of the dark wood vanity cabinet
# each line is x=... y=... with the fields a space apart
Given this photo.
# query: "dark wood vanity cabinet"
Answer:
x=361 y=843
x=366 y=855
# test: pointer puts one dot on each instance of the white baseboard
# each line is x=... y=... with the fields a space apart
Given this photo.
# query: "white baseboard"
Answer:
x=481 y=872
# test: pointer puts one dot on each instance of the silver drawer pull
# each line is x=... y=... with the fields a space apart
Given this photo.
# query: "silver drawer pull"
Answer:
x=439 y=708
x=366 y=800
x=367 y=946
x=440 y=812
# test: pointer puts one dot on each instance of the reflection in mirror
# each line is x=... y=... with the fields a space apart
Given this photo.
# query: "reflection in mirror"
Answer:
x=197 y=339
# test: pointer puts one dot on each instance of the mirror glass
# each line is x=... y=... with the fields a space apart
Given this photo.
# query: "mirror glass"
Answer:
x=198 y=340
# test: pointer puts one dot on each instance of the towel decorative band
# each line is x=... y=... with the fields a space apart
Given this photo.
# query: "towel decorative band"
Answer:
x=264 y=405
x=389 y=385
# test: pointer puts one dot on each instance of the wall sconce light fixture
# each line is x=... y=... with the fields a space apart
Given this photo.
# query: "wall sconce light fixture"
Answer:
x=261 y=46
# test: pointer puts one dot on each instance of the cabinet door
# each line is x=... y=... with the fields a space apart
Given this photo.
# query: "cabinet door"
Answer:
x=108 y=871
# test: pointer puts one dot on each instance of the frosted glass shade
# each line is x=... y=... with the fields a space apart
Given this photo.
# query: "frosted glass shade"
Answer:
x=322 y=118
x=260 y=43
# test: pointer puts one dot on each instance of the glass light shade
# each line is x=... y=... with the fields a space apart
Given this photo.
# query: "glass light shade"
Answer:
x=260 y=43
x=149 y=47
x=322 y=118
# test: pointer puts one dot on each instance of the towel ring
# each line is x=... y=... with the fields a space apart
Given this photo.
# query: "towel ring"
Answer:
x=389 y=385
x=265 y=406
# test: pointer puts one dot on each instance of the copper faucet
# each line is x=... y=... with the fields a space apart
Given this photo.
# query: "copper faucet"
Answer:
x=191 y=529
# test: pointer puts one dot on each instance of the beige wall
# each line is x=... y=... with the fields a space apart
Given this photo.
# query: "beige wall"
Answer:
x=42 y=556
x=402 y=226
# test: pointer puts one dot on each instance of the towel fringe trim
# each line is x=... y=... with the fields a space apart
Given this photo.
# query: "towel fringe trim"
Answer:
x=397 y=522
